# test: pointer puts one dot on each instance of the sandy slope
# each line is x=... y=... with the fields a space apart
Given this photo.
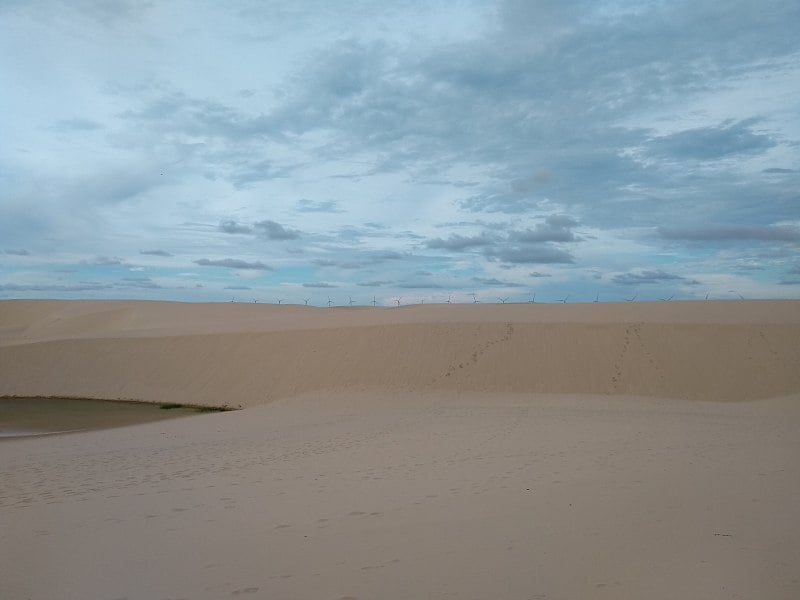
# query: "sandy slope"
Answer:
x=249 y=354
x=480 y=452
x=395 y=496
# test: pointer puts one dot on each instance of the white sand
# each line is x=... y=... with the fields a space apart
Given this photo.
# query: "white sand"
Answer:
x=422 y=452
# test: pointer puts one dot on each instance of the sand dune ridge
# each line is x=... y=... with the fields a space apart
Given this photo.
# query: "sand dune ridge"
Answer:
x=246 y=354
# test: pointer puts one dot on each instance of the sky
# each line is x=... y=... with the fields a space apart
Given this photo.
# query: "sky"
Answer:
x=411 y=151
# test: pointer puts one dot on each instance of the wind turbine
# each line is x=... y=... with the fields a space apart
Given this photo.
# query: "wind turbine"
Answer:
x=503 y=300
x=667 y=299
x=597 y=298
x=306 y=300
x=474 y=298
x=374 y=301
x=280 y=300
x=449 y=298
x=632 y=299
x=737 y=293
x=398 y=301
x=330 y=302
x=352 y=301
x=564 y=299
x=707 y=293
x=533 y=299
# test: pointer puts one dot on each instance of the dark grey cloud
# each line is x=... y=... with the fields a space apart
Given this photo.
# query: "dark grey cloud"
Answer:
x=233 y=263
x=560 y=221
x=268 y=229
x=774 y=233
x=235 y=139
x=487 y=225
x=357 y=259
x=352 y=233
x=749 y=268
x=408 y=235
x=532 y=245
x=791 y=277
x=107 y=261
x=647 y=277
x=382 y=255
x=342 y=264
x=140 y=282
x=529 y=254
x=459 y=243
x=778 y=170
x=502 y=200
x=317 y=206
x=245 y=173
x=319 y=284
x=231 y=226
x=155 y=252
x=178 y=113
x=376 y=283
x=556 y=228
x=495 y=282
x=420 y=285
x=537 y=274
x=712 y=143
x=237 y=287
x=17 y=251
x=275 y=231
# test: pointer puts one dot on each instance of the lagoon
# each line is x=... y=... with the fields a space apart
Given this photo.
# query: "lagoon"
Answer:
x=23 y=417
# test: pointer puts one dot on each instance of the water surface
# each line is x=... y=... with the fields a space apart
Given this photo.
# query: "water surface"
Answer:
x=47 y=416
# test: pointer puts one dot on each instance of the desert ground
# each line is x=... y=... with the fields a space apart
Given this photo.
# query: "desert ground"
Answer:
x=631 y=450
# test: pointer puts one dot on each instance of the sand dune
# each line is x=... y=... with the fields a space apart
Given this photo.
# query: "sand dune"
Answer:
x=242 y=355
x=480 y=452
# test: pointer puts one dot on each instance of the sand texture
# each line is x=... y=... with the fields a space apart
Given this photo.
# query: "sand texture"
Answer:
x=241 y=354
x=493 y=451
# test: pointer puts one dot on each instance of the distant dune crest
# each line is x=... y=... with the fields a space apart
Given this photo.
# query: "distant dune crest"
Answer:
x=252 y=354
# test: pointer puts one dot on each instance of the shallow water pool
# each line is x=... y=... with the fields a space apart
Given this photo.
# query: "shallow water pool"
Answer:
x=21 y=417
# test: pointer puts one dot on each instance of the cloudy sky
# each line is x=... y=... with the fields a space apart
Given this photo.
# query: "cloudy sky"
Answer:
x=274 y=150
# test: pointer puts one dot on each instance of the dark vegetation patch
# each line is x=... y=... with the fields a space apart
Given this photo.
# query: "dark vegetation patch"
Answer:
x=196 y=408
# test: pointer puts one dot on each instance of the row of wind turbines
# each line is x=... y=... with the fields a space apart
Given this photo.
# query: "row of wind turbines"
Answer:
x=500 y=299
